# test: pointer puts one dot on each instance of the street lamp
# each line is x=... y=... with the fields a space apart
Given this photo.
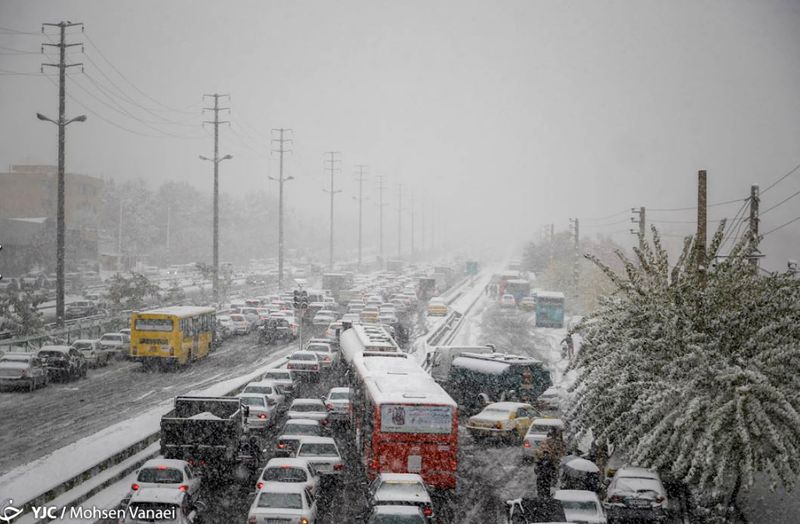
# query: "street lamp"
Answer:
x=216 y=160
x=61 y=123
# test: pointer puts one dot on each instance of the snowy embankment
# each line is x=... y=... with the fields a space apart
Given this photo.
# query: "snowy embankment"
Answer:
x=28 y=482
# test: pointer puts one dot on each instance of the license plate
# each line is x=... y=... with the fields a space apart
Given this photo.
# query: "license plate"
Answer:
x=322 y=467
x=276 y=521
x=414 y=463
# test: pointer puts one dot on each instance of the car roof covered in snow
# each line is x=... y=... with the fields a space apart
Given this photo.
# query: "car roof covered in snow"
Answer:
x=578 y=495
x=554 y=422
x=549 y=294
x=507 y=405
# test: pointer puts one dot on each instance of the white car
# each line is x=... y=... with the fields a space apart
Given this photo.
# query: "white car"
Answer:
x=288 y=469
x=327 y=357
x=537 y=433
x=239 y=324
x=352 y=318
x=269 y=389
x=115 y=343
x=311 y=408
x=304 y=364
x=282 y=378
x=283 y=502
x=391 y=514
x=262 y=413
x=581 y=506
x=404 y=489
x=293 y=429
x=550 y=400
x=636 y=493
x=96 y=354
x=388 y=318
x=507 y=301
x=167 y=473
x=339 y=404
x=324 y=317
x=322 y=453
x=144 y=502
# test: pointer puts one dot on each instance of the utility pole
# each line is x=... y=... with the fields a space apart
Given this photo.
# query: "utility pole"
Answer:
x=700 y=240
x=330 y=165
x=281 y=142
x=639 y=218
x=755 y=198
x=412 y=225
x=62 y=124
x=422 y=210
x=361 y=168
x=381 y=205
x=216 y=160
x=169 y=213
x=575 y=227
x=399 y=221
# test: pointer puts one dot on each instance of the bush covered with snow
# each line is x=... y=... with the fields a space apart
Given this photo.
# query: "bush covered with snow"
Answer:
x=695 y=371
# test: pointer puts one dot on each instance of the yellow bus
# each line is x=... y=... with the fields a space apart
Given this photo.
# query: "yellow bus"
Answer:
x=172 y=336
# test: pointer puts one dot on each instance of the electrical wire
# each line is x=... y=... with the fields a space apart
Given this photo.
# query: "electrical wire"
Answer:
x=625 y=221
x=780 y=203
x=716 y=204
x=607 y=217
x=737 y=222
x=781 y=179
x=795 y=219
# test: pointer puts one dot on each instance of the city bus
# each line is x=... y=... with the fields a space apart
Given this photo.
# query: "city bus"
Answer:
x=549 y=309
x=404 y=421
x=171 y=336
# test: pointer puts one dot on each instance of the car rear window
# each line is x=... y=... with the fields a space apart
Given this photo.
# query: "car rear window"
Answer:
x=397 y=519
x=160 y=476
x=579 y=505
x=253 y=401
x=302 y=429
x=302 y=357
x=280 y=500
x=639 y=485
x=284 y=474
x=340 y=395
x=262 y=390
x=318 y=450
x=307 y=408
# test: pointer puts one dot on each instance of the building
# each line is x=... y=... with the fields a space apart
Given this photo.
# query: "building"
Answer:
x=28 y=197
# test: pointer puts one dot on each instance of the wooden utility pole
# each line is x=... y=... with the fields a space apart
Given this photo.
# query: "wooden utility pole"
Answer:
x=62 y=124
x=702 y=221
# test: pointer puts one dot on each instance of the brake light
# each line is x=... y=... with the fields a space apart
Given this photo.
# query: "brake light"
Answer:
x=162 y=467
x=289 y=366
x=252 y=520
x=659 y=499
x=498 y=425
x=183 y=487
x=24 y=373
x=338 y=467
x=526 y=444
x=304 y=521
x=329 y=406
x=191 y=462
x=260 y=485
x=427 y=511
x=281 y=445
x=262 y=416
x=615 y=498
x=324 y=422
x=135 y=487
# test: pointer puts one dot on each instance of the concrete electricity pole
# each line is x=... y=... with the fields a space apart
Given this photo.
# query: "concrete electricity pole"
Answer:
x=360 y=178
x=702 y=222
x=755 y=199
x=381 y=205
x=412 y=224
x=216 y=160
x=331 y=167
x=62 y=124
x=281 y=142
x=639 y=219
x=399 y=221
x=575 y=227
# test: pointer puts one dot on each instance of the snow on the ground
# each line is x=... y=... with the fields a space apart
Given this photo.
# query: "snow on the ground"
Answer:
x=30 y=480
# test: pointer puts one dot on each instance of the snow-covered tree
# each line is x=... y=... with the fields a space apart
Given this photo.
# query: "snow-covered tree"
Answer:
x=130 y=292
x=19 y=314
x=695 y=371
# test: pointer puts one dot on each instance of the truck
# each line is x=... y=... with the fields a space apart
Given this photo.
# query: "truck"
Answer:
x=471 y=268
x=475 y=380
x=426 y=288
x=549 y=309
x=438 y=361
x=207 y=432
x=519 y=288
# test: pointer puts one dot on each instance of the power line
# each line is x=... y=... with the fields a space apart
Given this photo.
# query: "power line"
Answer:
x=780 y=203
x=737 y=222
x=607 y=217
x=692 y=208
x=795 y=219
x=781 y=179
x=618 y=222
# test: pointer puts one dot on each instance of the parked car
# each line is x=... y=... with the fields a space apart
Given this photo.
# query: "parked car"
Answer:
x=62 y=362
x=502 y=419
x=391 y=514
x=339 y=404
x=581 y=506
x=115 y=343
x=292 y=470
x=161 y=472
x=96 y=354
x=311 y=408
x=636 y=494
x=283 y=502
x=437 y=307
x=145 y=501
x=537 y=433
x=304 y=364
x=401 y=489
x=508 y=301
x=322 y=453
x=22 y=370
x=262 y=410
x=283 y=379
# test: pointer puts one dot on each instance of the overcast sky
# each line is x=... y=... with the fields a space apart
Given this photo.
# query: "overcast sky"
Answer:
x=504 y=115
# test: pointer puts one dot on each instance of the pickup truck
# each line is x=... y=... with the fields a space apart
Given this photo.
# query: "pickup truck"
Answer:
x=207 y=432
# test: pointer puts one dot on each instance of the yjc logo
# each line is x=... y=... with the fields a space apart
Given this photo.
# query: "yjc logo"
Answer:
x=9 y=512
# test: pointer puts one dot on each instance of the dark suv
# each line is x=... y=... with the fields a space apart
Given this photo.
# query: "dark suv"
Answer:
x=62 y=362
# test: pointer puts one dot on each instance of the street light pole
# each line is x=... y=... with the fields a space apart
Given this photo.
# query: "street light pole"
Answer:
x=62 y=124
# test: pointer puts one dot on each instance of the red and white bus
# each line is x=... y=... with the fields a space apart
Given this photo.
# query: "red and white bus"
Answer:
x=403 y=420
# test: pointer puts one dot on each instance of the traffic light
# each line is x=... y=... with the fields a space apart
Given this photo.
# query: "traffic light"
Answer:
x=296 y=299
x=304 y=299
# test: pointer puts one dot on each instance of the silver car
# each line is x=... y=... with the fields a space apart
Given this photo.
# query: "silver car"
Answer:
x=22 y=370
